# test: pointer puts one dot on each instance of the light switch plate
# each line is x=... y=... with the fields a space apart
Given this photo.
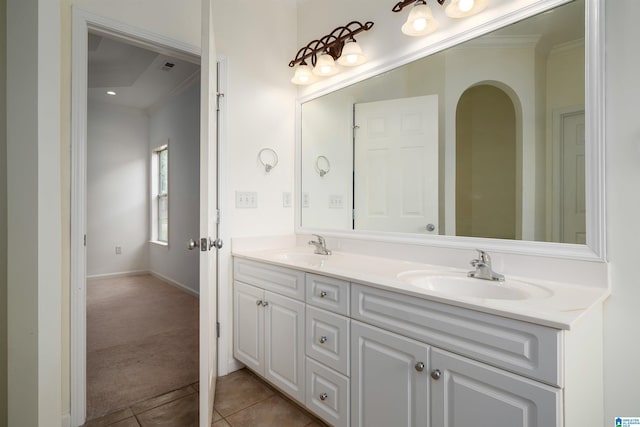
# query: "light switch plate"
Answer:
x=246 y=199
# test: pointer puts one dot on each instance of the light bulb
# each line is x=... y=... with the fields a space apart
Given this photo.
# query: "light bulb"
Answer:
x=351 y=54
x=464 y=8
x=420 y=21
x=465 y=5
x=303 y=75
x=325 y=66
x=419 y=24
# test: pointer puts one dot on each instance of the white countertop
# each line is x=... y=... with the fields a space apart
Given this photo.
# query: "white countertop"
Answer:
x=559 y=306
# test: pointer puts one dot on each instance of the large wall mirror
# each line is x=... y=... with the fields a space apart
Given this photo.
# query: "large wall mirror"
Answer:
x=485 y=139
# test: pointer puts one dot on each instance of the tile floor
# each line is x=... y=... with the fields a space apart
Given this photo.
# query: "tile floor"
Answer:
x=242 y=400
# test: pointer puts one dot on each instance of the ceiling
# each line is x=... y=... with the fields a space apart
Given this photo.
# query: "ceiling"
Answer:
x=141 y=78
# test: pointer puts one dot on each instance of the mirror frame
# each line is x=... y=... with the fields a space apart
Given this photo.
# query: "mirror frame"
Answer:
x=595 y=249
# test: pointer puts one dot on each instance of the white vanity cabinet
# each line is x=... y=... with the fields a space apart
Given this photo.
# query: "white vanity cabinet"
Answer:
x=364 y=356
x=425 y=385
x=268 y=326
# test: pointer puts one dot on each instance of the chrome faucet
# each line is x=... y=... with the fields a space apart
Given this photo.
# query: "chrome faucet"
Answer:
x=483 y=268
x=321 y=246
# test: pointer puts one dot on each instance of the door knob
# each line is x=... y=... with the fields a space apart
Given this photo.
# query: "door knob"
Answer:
x=193 y=244
x=217 y=243
x=419 y=366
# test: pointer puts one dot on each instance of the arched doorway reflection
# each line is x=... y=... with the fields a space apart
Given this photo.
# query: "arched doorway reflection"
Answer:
x=486 y=164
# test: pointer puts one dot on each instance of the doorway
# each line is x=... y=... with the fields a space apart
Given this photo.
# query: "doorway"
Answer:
x=486 y=200
x=84 y=24
x=143 y=139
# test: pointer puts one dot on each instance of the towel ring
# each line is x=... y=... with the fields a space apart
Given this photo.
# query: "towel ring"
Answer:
x=274 y=155
x=322 y=171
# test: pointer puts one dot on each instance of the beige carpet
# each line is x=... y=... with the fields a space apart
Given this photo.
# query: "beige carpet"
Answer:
x=142 y=341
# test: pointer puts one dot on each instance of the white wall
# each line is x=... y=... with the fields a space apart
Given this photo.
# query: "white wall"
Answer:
x=117 y=189
x=622 y=346
x=33 y=213
x=178 y=123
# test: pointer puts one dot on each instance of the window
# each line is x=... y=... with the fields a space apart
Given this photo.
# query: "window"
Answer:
x=160 y=194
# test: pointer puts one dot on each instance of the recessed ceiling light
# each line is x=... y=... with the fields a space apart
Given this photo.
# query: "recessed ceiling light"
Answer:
x=110 y=92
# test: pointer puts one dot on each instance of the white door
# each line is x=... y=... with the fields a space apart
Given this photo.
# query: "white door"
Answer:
x=389 y=379
x=396 y=165
x=472 y=394
x=208 y=216
x=572 y=199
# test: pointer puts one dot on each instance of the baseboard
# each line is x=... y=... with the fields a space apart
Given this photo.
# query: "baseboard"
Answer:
x=118 y=274
x=233 y=366
x=175 y=284
x=66 y=420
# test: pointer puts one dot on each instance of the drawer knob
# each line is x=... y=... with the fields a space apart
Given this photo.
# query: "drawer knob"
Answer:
x=323 y=396
x=419 y=366
x=323 y=294
x=323 y=340
x=436 y=374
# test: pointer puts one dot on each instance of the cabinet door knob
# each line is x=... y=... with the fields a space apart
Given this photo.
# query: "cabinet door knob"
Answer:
x=259 y=302
x=323 y=340
x=323 y=396
x=265 y=303
x=419 y=366
x=436 y=374
x=323 y=294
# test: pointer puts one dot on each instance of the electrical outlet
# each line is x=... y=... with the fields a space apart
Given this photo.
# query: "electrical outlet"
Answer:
x=336 y=201
x=246 y=199
x=286 y=200
x=118 y=250
x=305 y=200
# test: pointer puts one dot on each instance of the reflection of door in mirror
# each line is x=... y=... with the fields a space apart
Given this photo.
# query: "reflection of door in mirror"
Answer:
x=396 y=165
x=486 y=199
x=572 y=226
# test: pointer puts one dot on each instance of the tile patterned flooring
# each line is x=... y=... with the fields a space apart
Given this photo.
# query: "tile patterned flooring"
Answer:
x=242 y=400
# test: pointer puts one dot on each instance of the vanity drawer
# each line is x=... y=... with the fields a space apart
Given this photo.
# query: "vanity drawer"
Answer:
x=281 y=280
x=327 y=394
x=328 y=293
x=328 y=338
x=531 y=350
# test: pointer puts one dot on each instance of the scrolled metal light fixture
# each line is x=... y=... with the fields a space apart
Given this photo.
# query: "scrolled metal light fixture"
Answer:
x=338 y=46
x=421 y=22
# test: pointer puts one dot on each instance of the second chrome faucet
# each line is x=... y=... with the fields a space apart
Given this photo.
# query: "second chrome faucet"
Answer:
x=483 y=268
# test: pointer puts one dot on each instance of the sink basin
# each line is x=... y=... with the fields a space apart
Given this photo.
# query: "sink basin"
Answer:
x=303 y=258
x=462 y=286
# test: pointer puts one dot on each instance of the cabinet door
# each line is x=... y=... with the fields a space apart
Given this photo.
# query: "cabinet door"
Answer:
x=248 y=326
x=389 y=379
x=284 y=344
x=472 y=394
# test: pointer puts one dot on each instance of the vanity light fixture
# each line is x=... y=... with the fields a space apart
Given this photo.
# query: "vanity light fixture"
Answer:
x=338 y=46
x=421 y=22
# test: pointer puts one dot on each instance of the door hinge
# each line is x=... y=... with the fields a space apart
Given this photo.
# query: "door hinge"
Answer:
x=353 y=214
x=85 y=240
x=217 y=216
x=218 y=329
x=218 y=96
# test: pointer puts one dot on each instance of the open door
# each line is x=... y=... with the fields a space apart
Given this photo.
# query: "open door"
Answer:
x=209 y=242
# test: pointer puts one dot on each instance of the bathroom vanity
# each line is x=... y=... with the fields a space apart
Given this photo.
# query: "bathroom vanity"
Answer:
x=369 y=341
